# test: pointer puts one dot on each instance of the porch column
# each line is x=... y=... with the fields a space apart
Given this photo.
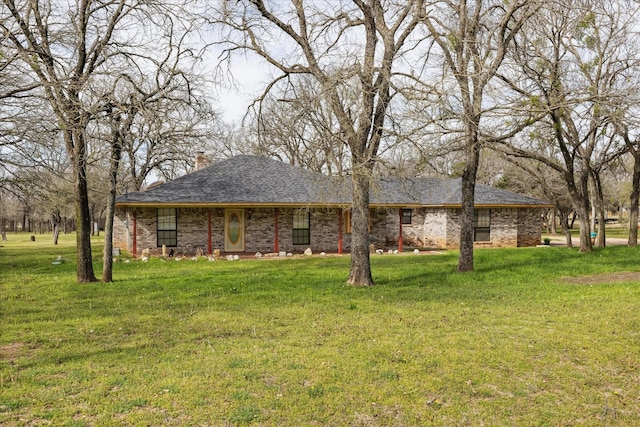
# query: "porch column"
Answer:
x=276 y=245
x=400 y=236
x=134 y=242
x=340 y=231
x=209 y=244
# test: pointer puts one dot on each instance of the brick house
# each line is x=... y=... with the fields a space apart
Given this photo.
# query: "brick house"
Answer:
x=256 y=204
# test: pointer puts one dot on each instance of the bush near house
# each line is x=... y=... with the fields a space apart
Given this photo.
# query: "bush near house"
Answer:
x=532 y=337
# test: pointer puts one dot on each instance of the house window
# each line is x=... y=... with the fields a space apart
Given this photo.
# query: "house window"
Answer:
x=301 y=227
x=406 y=216
x=347 y=221
x=482 y=225
x=167 y=227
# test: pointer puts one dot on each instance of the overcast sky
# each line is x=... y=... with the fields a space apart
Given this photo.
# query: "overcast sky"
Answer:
x=250 y=75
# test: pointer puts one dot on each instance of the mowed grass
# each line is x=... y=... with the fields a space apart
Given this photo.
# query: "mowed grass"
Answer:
x=287 y=343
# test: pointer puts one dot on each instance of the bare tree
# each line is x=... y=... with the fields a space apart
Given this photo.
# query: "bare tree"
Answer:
x=128 y=119
x=349 y=49
x=473 y=37
x=65 y=47
x=299 y=129
x=539 y=180
x=170 y=126
x=156 y=111
x=77 y=53
x=576 y=67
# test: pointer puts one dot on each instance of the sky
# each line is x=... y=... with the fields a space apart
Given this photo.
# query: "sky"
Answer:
x=250 y=76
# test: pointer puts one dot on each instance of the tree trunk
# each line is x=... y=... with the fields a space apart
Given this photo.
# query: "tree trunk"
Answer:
x=84 y=269
x=635 y=198
x=601 y=236
x=107 y=266
x=564 y=224
x=585 y=230
x=465 y=261
x=580 y=203
x=55 y=220
x=360 y=273
x=600 y=211
x=583 y=213
x=24 y=220
x=574 y=216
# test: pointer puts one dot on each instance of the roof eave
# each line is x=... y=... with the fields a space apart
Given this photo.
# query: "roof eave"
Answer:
x=324 y=205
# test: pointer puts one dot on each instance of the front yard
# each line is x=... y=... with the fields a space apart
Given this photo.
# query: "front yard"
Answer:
x=532 y=337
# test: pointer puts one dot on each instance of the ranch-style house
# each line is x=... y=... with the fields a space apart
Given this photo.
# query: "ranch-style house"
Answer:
x=250 y=204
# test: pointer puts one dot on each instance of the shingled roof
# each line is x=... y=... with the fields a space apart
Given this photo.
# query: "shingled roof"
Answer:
x=253 y=180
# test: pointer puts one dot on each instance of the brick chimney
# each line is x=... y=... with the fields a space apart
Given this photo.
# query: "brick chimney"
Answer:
x=201 y=160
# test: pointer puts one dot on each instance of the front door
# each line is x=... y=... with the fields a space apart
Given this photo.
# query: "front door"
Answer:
x=234 y=230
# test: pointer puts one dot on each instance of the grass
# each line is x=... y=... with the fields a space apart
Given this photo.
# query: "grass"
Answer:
x=287 y=343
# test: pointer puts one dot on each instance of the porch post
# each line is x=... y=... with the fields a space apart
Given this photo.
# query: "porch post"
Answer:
x=209 y=244
x=340 y=231
x=400 y=236
x=276 y=245
x=134 y=243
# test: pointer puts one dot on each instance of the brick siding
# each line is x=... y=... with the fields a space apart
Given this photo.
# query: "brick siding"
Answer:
x=429 y=228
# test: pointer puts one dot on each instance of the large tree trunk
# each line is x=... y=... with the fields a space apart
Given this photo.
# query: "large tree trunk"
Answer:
x=85 y=272
x=585 y=230
x=580 y=202
x=360 y=273
x=84 y=269
x=465 y=261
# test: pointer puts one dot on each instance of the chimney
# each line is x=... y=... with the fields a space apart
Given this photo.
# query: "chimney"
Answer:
x=201 y=160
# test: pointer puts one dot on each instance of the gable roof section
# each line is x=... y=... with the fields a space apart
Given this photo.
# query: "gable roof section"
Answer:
x=244 y=179
x=253 y=180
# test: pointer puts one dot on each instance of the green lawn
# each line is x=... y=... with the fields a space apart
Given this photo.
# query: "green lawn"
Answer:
x=287 y=343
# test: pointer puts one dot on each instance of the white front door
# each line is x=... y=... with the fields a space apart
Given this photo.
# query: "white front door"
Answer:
x=234 y=230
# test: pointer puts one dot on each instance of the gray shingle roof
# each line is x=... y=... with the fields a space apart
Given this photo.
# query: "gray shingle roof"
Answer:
x=254 y=180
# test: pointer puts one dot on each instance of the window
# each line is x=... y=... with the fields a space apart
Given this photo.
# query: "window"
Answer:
x=482 y=225
x=301 y=227
x=167 y=227
x=406 y=216
x=347 y=221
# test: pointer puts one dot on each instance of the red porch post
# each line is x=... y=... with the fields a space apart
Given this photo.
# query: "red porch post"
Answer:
x=340 y=231
x=276 y=246
x=400 y=236
x=134 y=243
x=209 y=244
